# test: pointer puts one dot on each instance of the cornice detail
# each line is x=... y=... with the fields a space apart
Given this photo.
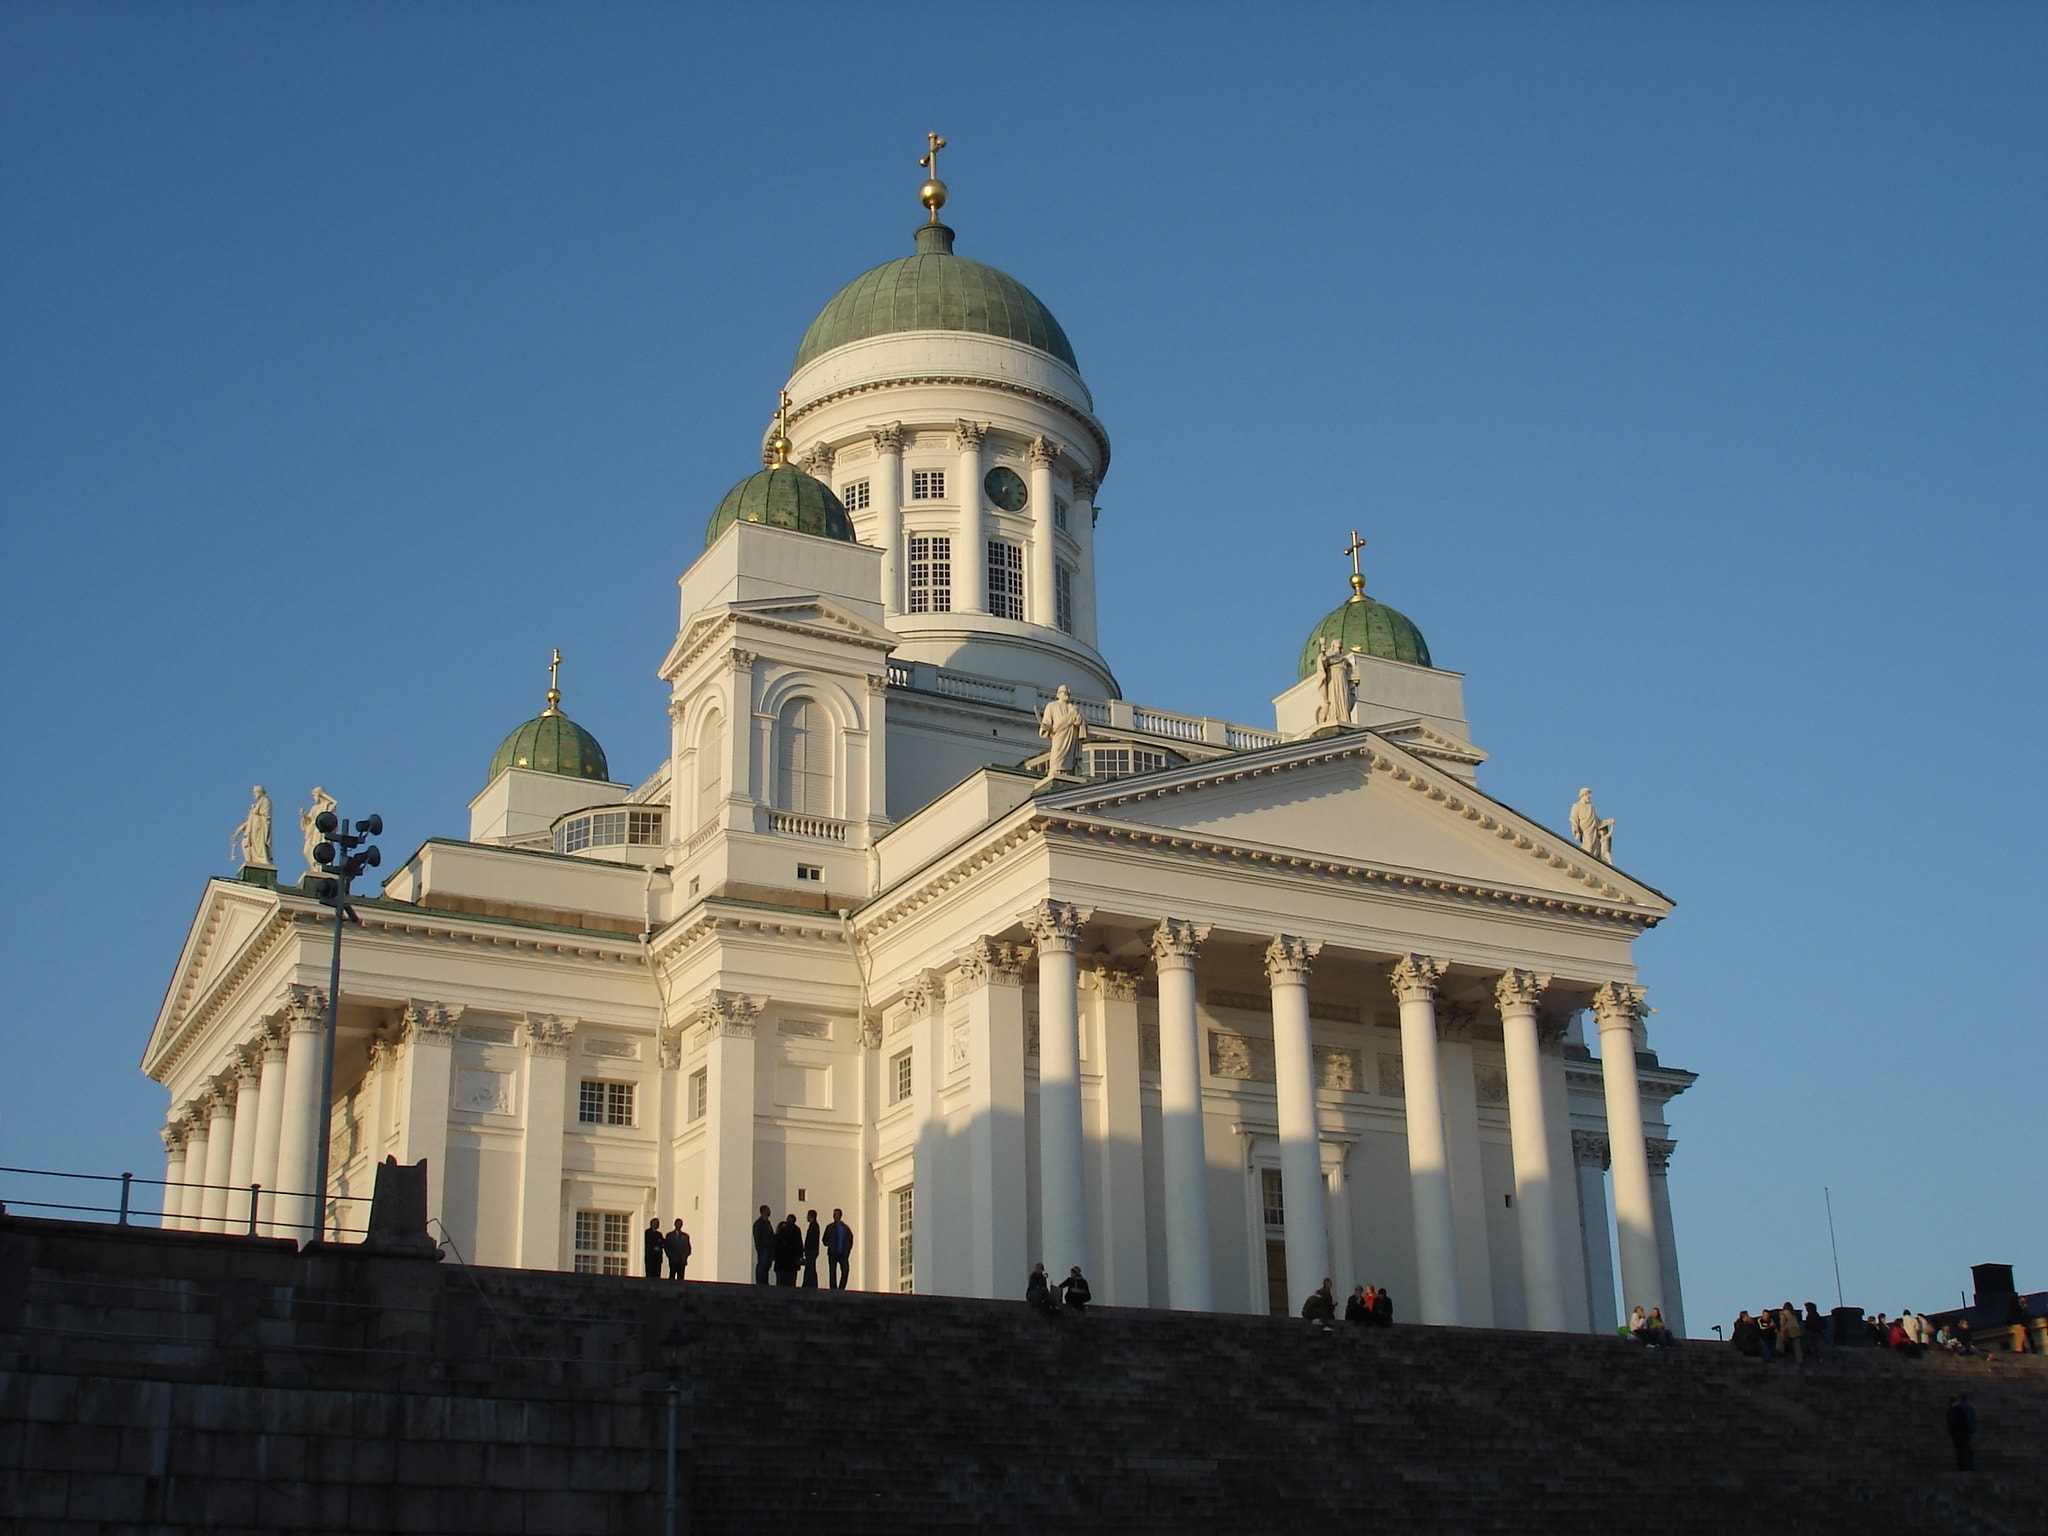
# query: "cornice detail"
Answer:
x=1059 y=403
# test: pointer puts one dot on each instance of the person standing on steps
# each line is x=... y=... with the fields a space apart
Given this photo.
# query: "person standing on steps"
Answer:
x=764 y=1246
x=838 y=1249
x=677 y=1244
x=789 y=1250
x=652 y=1249
x=1383 y=1309
x=1962 y=1428
x=1074 y=1290
x=810 y=1250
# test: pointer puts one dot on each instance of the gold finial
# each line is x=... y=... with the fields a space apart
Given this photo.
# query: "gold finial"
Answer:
x=933 y=193
x=1357 y=576
x=554 y=689
x=778 y=440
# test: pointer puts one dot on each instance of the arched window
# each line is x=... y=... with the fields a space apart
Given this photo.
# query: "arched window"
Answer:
x=710 y=769
x=803 y=759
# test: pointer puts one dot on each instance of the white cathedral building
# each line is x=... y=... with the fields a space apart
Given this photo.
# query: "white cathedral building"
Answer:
x=1211 y=1010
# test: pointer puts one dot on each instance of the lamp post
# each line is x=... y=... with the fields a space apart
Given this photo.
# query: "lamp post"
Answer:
x=672 y=1358
x=346 y=853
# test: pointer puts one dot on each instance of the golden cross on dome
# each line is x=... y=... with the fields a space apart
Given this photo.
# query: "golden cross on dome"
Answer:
x=933 y=193
x=554 y=684
x=1357 y=575
x=778 y=440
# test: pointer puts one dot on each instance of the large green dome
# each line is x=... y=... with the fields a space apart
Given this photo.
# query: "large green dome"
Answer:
x=935 y=290
x=552 y=743
x=1374 y=629
x=782 y=496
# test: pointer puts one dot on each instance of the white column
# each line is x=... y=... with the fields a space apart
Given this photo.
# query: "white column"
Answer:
x=1301 y=1153
x=304 y=1123
x=1660 y=1151
x=989 y=979
x=1618 y=1006
x=1518 y=993
x=192 y=1209
x=242 y=1155
x=1041 y=606
x=427 y=1031
x=1081 y=528
x=1429 y=1168
x=220 y=1139
x=174 y=1137
x=970 y=557
x=1118 y=1236
x=886 y=487
x=270 y=1089
x=930 y=1272
x=670 y=1114
x=540 y=1163
x=1062 y=1193
x=723 y=1243
x=1460 y=1081
x=1589 y=1152
x=1190 y=1282
x=1571 y=1239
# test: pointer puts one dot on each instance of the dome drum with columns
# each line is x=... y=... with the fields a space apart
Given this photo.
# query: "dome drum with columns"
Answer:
x=918 y=917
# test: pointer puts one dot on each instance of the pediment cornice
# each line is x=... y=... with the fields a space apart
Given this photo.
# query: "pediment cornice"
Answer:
x=816 y=618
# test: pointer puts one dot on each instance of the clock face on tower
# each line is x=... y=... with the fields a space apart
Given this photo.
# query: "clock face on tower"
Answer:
x=1006 y=489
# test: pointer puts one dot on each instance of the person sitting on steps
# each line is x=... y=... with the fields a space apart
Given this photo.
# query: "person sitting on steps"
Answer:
x=1038 y=1291
x=1321 y=1307
x=1358 y=1307
x=1074 y=1290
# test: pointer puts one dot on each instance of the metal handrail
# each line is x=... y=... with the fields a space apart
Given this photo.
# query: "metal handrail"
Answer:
x=128 y=1181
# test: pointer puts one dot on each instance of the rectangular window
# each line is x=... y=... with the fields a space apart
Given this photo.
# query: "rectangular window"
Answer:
x=700 y=1092
x=1121 y=762
x=603 y=1241
x=810 y=872
x=899 y=1077
x=1269 y=1197
x=1059 y=513
x=1063 y=597
x=1005 y=579
x=643 y=827
x=927 y=485
x=906 y=1217
x=855 y=497
x=607 y=829
x=931 y=574
x=601 y=1103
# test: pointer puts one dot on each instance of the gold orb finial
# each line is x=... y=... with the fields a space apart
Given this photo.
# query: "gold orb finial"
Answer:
x=554 y=685
x=933 y=193
x=1357 y=575
x=778 y=440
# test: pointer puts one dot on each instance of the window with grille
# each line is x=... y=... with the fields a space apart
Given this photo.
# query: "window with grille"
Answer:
x=643 y=827
x=927 y=485
x=603 y=1241
x=931 y=574
x=1270 y=1199
x=700 y=1093
x=855 y=497
x=803 y=766
x=602 y=1103
x=1063 y=597
x=1059 y=513
x=1005 y=579
x=1122 y=762
x=906 y=1217
x=899 y=1077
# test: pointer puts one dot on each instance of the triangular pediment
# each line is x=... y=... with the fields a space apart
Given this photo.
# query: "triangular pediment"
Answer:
x=1356 y=799
x=231 y=917
x=820 y=617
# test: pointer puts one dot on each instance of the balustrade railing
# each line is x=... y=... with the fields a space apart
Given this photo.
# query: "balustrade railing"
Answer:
x=823 y=828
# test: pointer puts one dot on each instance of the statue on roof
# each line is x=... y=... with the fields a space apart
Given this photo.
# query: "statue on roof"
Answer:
x=1595 y=833
x=252 y=837
x=1064 y=728
x=1338 y=691
x=323 y=802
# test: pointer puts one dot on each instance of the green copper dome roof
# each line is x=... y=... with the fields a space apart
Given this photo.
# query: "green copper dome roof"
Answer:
x=1361 y=624
x=782 y=496
x=935 y=290
x=552 y=743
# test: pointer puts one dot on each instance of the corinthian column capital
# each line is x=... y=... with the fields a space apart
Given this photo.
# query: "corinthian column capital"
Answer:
x=1415 y=977
x=888 y=439
x=1042 y=452
x=1659 y=1149
x=1177 y=944
x=1056 y=925
x=1289 y=959
x=1618 y=1005
x=967 y=435
x=305 y=1007
x=1590 y=1149
x=547 y=1035
x=427 y=1022
x=1084 y=485
x=1520 y=989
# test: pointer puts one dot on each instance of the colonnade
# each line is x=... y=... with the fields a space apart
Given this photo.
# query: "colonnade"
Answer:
x=1538 y=1132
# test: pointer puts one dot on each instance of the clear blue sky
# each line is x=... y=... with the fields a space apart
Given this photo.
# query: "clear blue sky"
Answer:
x=1685 y=365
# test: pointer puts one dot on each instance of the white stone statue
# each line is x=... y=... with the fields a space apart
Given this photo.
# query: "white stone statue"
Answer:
x=252 y=837
x=322 y=802
x=1595 y=835
x=1338 y=692
x=1064 y=728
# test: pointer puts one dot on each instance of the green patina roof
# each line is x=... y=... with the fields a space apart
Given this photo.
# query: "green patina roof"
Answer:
x=935 y=290
x=782 y=496
x=552 y=743
x=1369 y=627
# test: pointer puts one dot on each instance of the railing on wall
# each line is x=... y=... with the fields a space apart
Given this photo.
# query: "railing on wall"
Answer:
x=242 y=1210
x=823 y=828
x=1117 y=714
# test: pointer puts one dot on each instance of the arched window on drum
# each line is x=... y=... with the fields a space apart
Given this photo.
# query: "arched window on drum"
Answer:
x=710 y=769
x=803 y=759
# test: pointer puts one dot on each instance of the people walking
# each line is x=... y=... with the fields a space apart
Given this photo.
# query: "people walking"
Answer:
x=652 y=1249
x=1962 y=1427
x=677 y=1246
x=810 y=1250
x=789 y=1250
x=1074 y=1290
x=838 y=1250
x=764 y=1246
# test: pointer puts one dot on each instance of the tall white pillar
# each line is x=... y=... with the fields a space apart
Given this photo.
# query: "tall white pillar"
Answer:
x=989 y=979
x=1571 y=1239
x=270 y=1089
x=723 y=1245
x=299 y=1206
x=1190 y=1283
x=1618 y=1007
x=220 y=1140
x=174 y=1138
x=970 y=559
x=247 y=1070
x=1041 y=602
x=1660 y=1151
x=1529 y=1133
x=1429 y=1167
x=886 y=488
x=1117 y=1238
x=192 y=1197
x=1589 y=1153
x=1081 y=528
x=1062 y=1183
x=427 y=1033
x=540 y=1162
x=932 y=1248
x=1301 y=1153
x=671 y=1114
x=1460 y=1080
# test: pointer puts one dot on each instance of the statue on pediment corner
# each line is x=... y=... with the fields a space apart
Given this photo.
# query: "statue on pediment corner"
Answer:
x=252 y=837
x=1594 y=834
x=323 y=802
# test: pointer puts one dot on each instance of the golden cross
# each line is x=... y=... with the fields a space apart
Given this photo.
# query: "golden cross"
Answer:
x=782 y=416
x=554 y=679
x=1357 y=575
x=930 y=160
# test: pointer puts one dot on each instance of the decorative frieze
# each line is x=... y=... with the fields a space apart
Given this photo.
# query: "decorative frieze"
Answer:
x=1454 y=1022
x=1241 y=1058
x=1289 y=959
x=808 y=1029
x=1393 y=1080
x=1148 y=1045
x=956 y=1046
x=1337 y=1068
x=1490 y=1084
x=490 y=1034
x=1414 y=978
x=1262 y=1003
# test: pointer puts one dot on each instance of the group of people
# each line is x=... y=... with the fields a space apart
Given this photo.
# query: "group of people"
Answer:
x=1071 y=1292
x=789 y=1253
x=1785 y=1331
x=671 y=1247
x=1367 y=1306
x=1649 y=1329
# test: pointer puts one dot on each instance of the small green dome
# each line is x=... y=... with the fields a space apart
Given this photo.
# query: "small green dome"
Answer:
x=935 y=290
x=783 y=496
x=552 y=743
x=1374 y=629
